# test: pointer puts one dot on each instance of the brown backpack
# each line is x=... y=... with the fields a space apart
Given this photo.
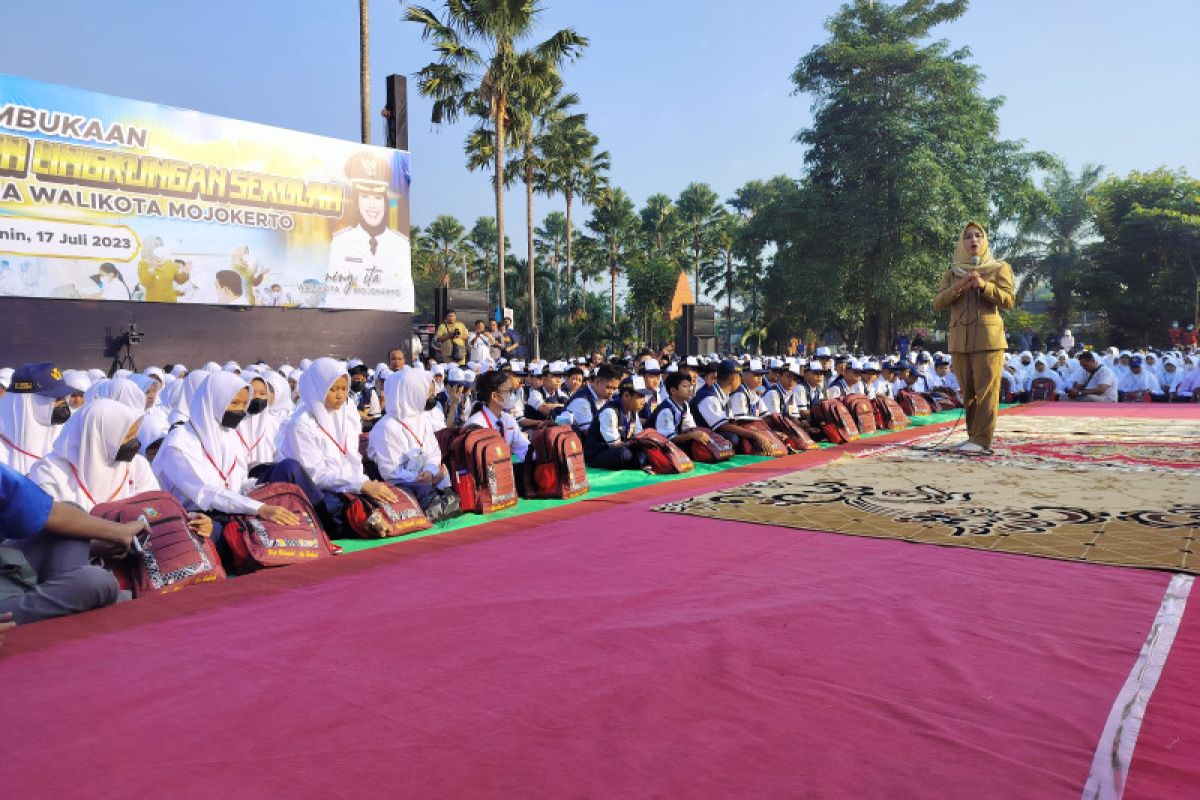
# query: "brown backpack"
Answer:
x=554 y=466
x=663 y=456
x=859 y=405
x=773 y=446
x=482 y=470
x=835 y=421
x=889 y=416
x=257 y=542
x=791 y=432
x=913 y=403
x=715 y=450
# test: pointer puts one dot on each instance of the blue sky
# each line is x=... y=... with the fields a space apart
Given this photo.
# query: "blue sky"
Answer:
x=677 y=90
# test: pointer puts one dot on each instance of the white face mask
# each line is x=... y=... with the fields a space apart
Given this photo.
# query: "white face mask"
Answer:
x=511 y=401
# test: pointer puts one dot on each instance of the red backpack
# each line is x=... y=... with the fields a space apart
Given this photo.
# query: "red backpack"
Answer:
x=889 y=416
x=859 y=405
x=715 y=450
x=913 y=403
x=257 y=542
x=663 y=456
x=791 y=432
x=773 y=446
x=1042 y=389
x=835 y=421
x=947 y=396
x=368 y=518
x=1136 y=396
x=1006 y=391
x=554 y=466
x=167 y=558
x=482 y=471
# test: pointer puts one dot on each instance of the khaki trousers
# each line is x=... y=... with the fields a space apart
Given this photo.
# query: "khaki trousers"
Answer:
x=979 y=376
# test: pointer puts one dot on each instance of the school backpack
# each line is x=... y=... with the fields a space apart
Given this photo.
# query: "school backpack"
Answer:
x=834 y=421
x=554 y=466
x=791 y=432
x=167 y=558
x=770 y=446
x=1136 y=396
x=889 y=416
x=663 y=456
x=859 y=405
x=947 y=397
x=369 y=518
x=714 y=451
x=256 y=542
x=1042 y=389
x=913 y=403
x=481 y=470
x=1006 y=390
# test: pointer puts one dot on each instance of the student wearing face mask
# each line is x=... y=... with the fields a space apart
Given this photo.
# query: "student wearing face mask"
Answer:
x=31 y=415
x=322 y=437
x=494 y=390
x=203 y=463
x=364 y=397
x=258 y=430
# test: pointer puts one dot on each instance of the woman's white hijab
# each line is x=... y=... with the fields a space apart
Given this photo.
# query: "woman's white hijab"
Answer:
x=25 y=424
x=314 y=386
x=281 y=403
x=83 y=461
x=187 y=396
x=207 y=408
x=123 y=390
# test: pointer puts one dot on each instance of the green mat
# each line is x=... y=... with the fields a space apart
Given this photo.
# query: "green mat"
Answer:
x=603 y=483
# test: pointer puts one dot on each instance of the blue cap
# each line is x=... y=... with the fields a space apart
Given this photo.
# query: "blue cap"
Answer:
x=1136 y=361
x=940 y=361
x=44 y=379
x=728 y=367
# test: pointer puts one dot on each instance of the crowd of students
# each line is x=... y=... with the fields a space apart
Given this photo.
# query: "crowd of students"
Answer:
x=72 y=440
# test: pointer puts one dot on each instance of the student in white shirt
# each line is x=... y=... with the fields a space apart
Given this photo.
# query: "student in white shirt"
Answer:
x=492 y=391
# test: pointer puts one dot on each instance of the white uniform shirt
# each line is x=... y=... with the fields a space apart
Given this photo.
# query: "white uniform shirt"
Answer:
x=673 y=419
x=581 y=412
x=1103 y=376
x=611 y=430
x=389 y=268
x=506 y=425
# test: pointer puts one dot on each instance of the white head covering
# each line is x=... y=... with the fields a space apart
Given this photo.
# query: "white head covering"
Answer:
x=183 y=403
x=178 y=370
x=6 y=374
x=77 y=379
x=330 y=453
x=123 y=390
x=281 y=405
x=210 y=440
x=83 y=463
x=406 y=438
x=257 y=431
x=25 y=426
x=314 y=385
x=96 y=375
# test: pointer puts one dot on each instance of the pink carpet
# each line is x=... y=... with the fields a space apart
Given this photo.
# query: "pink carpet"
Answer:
x=624 y=654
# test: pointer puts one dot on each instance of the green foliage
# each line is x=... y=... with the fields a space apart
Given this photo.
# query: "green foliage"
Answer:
x=651 y=288
x=903 y=151
x=1147 y=271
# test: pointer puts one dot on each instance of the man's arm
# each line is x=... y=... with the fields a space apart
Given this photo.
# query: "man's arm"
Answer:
x=74 y=523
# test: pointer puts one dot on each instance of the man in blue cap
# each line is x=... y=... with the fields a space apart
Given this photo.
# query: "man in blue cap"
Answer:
x=1139 y=379
x=710 y=406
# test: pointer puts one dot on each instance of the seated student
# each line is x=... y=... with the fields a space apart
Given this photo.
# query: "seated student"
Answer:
x=869 y=376
x=573 y=381
x=546 y=397
x=32 y=413
x=203 y=464
x=492 y=390
x=617 y=422
x=710 y=406
x=847 y=382
x=942 y=376
x=586 y=402
x=779 y=398
x=1094 y=382
x=885 y=384
x=651 y=373
x=322 y=438
x=515 y=402
x=44 y=552
x=363 y=396
x=673 y=418
x=259 y=431
x=1041 y=369
x=744 y=401
x=910 y=378
x=1171 y=378
x=78 y=380
x=404 y=443
x=811 y=391
x=1138 y=378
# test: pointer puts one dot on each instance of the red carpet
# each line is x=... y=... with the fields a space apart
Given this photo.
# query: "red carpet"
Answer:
x=604 y=650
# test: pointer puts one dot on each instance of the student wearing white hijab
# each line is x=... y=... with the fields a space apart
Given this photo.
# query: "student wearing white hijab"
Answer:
x=32 y=412
x=6 y=374
x=187 y=393
x=202 y=462
x=96 y=460
x=258 y=430
x=323 y=436
x=1041 y=369
x=78 y=380
x=123 y=390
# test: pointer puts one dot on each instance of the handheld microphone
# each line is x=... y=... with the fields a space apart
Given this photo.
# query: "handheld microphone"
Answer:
x=974 y=261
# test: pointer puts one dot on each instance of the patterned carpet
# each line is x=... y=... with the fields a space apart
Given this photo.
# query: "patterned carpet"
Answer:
x=1103 y=490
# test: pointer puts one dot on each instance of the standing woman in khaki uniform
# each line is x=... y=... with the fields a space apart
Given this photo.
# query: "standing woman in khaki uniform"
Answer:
x=975 y=288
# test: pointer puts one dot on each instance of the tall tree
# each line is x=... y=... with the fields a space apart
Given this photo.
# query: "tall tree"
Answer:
x=364 y=70
x=443 y=239
x=903 y=150
x=660 y=223
x=1053 y=235
x=719 y=278
x=698 y=207
x=572 y=167
x=551 y=244
x=615 y=223
x=474 y=36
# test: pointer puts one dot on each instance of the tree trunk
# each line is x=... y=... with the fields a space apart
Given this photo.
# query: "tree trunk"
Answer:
x=567 y=193
x=696 y=268
x=499 y=120
x=535 y=351
x=364 y=70
x=612 y=276
x=729 y=298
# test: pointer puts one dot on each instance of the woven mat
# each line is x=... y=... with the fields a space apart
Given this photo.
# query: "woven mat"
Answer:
x=1108 y=491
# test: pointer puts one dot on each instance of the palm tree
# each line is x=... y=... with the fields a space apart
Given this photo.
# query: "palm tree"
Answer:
x=364 y=70
x=719 y=278
x=613 y=219
x=571 y=166
x=444 y=241
x=698 y=206
x=551 y=246
x=660 y=221
x=1050 y=240
x=456 y=87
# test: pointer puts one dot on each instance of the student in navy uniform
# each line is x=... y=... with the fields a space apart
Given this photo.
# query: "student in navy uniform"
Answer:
x=812 y=391
x=651 y=373
x=912 y=378
x=586 y=402
x=364 y=397
x=493 y=390
x=44 y=552
x=745 y=400
x=710 y=406
x=673 y=417
x=616 y=423
x=780 y=397
x=847 y=382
